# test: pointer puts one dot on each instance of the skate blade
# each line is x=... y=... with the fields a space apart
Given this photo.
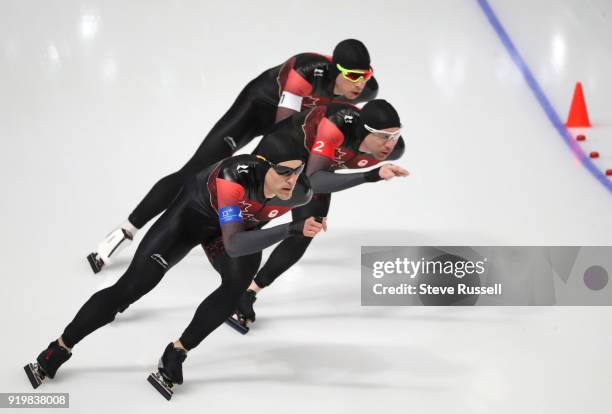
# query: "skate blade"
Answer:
x=237 y=325
x=93 y=262
x=158 y=383
x=32 y=374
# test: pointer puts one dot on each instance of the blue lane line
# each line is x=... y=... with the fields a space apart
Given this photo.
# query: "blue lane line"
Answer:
x=541 y=97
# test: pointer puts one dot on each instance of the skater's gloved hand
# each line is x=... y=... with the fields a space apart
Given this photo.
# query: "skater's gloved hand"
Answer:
x=388 y=171
x=312 y=227
x=323 y=221
x=309 y=227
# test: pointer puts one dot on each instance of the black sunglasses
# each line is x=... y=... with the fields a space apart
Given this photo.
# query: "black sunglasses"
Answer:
x=287 y=171
x=284 y=170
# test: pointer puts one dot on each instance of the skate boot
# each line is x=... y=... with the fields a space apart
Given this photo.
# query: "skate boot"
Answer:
x=47 y=363
x=244 y=312
x=111 y=245
x=169 y=371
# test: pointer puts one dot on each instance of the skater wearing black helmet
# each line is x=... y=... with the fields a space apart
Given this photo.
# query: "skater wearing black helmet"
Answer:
x=302 y=82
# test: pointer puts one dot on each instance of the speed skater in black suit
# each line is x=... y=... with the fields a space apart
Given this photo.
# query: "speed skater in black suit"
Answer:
x=223 y=208
x=300 y=83
x=332 y=137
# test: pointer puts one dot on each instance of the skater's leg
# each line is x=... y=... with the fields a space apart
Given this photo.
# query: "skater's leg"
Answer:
x=285 y=255
x=102 y=307
x=236 y=274
x=112 y=244
x=164 y=245
x=244 y=120
x=170 y=370
x=47 y=363
x=171 y=363
x=142 y=275
x=290 y=250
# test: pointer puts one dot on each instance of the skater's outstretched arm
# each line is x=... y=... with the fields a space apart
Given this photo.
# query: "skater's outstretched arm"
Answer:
x=329 y=138
x=239 y=242
x=236 y=239
x=323 y=181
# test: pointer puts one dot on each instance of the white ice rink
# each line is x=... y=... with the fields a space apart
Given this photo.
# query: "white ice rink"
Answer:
x=99 y=99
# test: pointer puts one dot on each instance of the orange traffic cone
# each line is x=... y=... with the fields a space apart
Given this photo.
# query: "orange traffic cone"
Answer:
x=578 y=116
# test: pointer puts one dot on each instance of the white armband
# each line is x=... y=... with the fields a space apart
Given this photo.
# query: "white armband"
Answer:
x=291 y=101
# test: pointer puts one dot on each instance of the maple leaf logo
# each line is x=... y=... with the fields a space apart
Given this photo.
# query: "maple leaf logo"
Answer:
x=244 y=208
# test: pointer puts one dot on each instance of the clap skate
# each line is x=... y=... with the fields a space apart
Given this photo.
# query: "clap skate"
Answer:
x=35 y=374
x=238 y=323
x=244 y=312
x=46 y=364
x=169 y=371
x=112 y=244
